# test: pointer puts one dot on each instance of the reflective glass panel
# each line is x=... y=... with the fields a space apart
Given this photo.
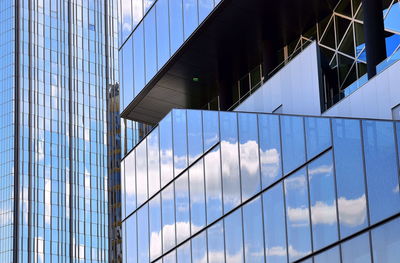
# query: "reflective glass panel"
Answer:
x=249 y=158
x=205 y=7
x=197 y=196
x=180 y=143
x=141 y=172
x=184 y=254
x=212 y=170
x=270 y=148
x=210 y=129
x=153 y=159
x=130 y=239
x=162 y=32
x=195 y=134
x=318 y=135
x=230 y=160
x=381 y=169
x=168 y=217
x=323 y=201
x=352 y=203
x=182 y=207
x=298 y=217
x=155 y=227
x=386 y=242
x=166 y=150
x=215 y=237
x=199 y=248
x=274 y=225
x=330 y=256
x=175 y=24
x=150 y=44
x=253 y=231
x=138 y=59
x=357 y=250
x=143 y=234
x=233 y=237
x=130 y=183
x=127 y=69
x=292 y=142
x=190 y=16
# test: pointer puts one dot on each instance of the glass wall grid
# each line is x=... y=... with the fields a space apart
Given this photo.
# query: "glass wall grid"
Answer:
x=325 y=211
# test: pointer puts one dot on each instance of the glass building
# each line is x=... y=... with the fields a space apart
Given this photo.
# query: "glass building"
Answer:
x=274 y=131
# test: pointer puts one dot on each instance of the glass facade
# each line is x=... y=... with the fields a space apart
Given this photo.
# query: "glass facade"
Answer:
x=263 y=187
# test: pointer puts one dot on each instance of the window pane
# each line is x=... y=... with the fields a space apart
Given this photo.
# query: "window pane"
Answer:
x=199 y=248
x=130 y=239
x=330 y=256
x=153 y=158
x=386 y=242
x=138 y=59
x=356 y=250
x=323 y=201
x=175 y=24
x=230 y=160
x=150 y=44
x=298 y=218
x=212 y=171
x=205 y=7
x=162 y=32
x=182 y=207
x=270 y=148
x=197 y=197
x=130 y=183
x=216 y=243
x=127 y=69
x=141 y=172
x=249 y=159
x=195 y=135
x=143 y=234
x=166 y=150
x=253 y=231
x=274 y=225
x=292 y=142
x=211 y=129
x=168 y=217
x=190 y=17
x=381 y=169
x=183 y=253
x=155 y=227
x=233 y=237
x=350 y=183
x=180 y=143
x=318 y=135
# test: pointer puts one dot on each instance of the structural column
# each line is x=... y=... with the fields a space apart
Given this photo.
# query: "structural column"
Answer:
x=374 y=34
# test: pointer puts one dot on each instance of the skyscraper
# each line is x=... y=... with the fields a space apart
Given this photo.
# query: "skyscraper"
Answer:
x=57 y=60
x=275 y=130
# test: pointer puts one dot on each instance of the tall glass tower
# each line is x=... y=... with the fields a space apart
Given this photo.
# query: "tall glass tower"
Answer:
x=57 y=60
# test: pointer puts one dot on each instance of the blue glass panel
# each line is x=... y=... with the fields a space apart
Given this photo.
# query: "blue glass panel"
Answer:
x=249 y=157
x=210 y=129
x=318 y=135
x=162 y=32
x=143 y=234
x=233 y=237
x=274 y=225
x=127 y=69
x=150 y=44
x=212 y=171
x=175 y=24
x=197 y=196
x=182 y=207
x=357 y=250
x=195 y=135
x=183 y=253
x=298 y=217
x=153 y=159
x=386 y=242
x=138 y=59
x=130 y=183
x=352 y=203
x=199 y=248
x=323 y=201
x=230 y=160
x=330 y=256
x=253 y=231
x=168 y=218
x=141 y=172
x=381 y=169
x=293 y=147
x=215 y=239
x=130 y=241
x=155 y=227
x=205 y=7
x=167 y=165
x=190 y=16
x=270 y=148
x=180 y=140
